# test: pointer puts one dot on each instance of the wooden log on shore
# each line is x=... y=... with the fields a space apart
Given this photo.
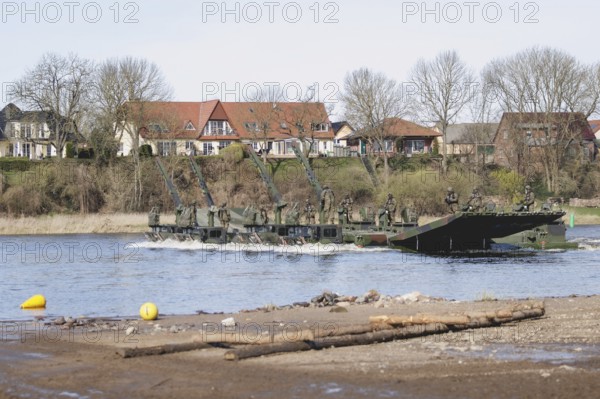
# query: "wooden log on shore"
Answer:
x=413 y=326
x=162 y=349
x=487 y=318
x=249 y=337
x=336 y=341
x=267 y=349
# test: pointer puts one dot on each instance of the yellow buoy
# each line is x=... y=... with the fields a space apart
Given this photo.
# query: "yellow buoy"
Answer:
x=149 y=311
x=35 y=302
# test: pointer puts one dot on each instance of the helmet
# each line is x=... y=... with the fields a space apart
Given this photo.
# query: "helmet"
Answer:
x=528 y=187
x=450 y=189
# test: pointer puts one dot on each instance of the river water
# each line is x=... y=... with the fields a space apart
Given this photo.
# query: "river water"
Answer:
x=112 y=275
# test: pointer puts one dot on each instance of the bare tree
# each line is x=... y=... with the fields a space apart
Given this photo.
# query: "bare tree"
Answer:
x=306 y=120
x=124 y=89
x=543 y=80
x=266 y=117
x=445 y=85
x=559 y=93
x=60 y=86
x=370 y=100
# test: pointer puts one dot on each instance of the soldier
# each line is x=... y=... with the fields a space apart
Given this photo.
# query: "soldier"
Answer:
x=264 y=215
x=178 y=214
x=390 y=208
x=224 y=216
x=309 y=212
x=475 y=201
x=529 y=199
x=154 y=216
x=327 y=205
x=347 y=206
x=194 y=214
x=452 y=200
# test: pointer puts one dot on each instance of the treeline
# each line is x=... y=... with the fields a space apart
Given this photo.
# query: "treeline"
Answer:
x=86 y=98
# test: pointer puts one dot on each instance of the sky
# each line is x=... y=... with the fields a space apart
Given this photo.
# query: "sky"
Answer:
x=229 y=49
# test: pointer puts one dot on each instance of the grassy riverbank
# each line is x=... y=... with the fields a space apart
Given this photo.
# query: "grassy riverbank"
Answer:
x=75 y=224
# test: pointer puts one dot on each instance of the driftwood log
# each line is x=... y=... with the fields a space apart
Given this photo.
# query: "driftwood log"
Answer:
x=162 y=349
x=408 y=327
x=334 y=341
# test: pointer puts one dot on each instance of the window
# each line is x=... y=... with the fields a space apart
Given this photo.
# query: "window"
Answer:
x=156 y=128
x=217 y=128
x=314 y=149
x=190 y=126
x=207 y=149
x=27 y=131
x=26 y=150
x=190 y=148
x=415 y=146
x=121 y=148
x=166 y=148
x=251 y=126
x=223 y=144
x=49 y=150
x=319 y=127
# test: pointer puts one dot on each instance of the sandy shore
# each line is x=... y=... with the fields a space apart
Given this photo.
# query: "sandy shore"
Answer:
x=557 y=355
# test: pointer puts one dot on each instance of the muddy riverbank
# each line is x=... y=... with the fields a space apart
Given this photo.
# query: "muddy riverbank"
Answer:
x=557 y=355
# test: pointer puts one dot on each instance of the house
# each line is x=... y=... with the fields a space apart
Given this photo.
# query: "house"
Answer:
x=342 y=131
x=25 y=133
x=207 y=127
x=173 y=128
x=523 y=139
x=470 y=141
x=401 y=137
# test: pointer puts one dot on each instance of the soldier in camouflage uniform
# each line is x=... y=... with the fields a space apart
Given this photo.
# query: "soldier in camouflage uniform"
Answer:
x=529 y=200
x=475 y=201
x=327 y=204
x=224 y=216
x=309 y=212
x=452 y=200
x=390 y=208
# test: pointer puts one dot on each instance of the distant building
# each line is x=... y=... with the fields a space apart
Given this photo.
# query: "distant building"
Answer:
x=522 y=139
x=204 y=128
x=342 y=131
x=402 y=137
x=470 y=141
x=25 y=134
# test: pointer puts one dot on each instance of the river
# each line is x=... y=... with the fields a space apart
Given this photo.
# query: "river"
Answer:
x=112 y=275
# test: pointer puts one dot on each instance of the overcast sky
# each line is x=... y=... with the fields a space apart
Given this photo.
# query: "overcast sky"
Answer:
x=224 y=49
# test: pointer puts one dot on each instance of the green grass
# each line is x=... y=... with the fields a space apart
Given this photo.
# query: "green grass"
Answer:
x=582 y=215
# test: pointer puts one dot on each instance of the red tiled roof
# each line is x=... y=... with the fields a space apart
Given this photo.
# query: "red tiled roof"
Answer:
x=397 y=127
x=172 y=117
x=282 y=119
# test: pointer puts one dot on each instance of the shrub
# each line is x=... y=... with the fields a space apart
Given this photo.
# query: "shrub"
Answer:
x=234 y=153
x=70 y=150
x=145 y=150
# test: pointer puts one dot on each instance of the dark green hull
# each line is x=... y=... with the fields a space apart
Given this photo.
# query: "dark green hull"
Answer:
x=270 y=234
x=549 y=236
x=465 y=231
